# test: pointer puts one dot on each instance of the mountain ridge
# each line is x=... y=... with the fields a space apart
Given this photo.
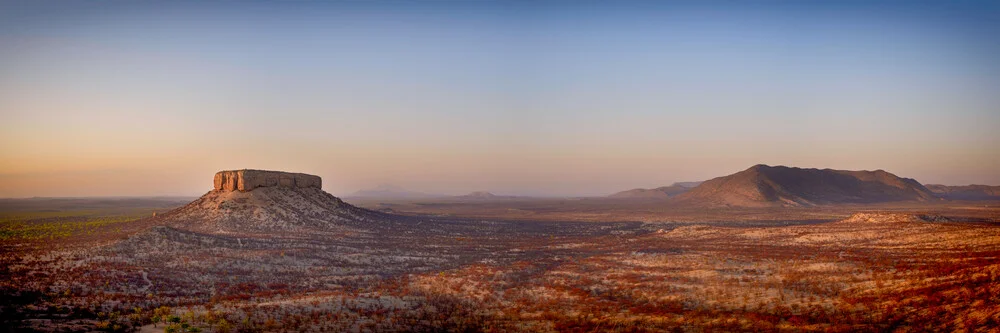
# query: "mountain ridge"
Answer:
x=662 y=192
x=764 y=185
x=966 y=192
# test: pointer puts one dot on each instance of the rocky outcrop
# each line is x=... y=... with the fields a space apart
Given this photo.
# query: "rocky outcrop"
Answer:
x=246 y=180
x=253 y=201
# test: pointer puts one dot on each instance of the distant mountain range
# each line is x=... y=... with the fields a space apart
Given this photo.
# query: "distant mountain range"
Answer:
x=663 y=192
x=763 y=186
x=479 y=195
x=388 y=191
x=966 y=192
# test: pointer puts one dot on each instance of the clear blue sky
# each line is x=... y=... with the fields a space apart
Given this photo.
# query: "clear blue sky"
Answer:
x=117 y=98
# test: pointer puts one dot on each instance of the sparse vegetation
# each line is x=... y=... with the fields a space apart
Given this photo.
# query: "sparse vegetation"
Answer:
x=870 y=272
x=43 y=226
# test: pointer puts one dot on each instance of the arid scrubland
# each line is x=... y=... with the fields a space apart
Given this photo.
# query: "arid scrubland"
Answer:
x=869 y=272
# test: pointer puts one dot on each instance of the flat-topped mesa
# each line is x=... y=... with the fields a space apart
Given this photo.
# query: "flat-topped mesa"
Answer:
x=246 y=180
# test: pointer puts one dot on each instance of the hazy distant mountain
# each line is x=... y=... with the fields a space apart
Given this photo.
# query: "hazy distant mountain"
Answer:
x=390 y=191
x=662 y=192
x=687 y=184
x=479 y=195
x=967 y=192
x=483 y=196
x=763 y=185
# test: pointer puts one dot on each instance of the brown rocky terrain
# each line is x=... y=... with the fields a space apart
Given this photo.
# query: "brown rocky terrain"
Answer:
x=763 y=185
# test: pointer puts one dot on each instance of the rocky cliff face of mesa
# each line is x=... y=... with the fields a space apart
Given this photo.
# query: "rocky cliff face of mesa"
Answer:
x=246 y=180
x=248 y=201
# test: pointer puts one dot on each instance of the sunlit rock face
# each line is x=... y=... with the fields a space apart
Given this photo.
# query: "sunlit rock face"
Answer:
x=268 y=201
x=246 y=180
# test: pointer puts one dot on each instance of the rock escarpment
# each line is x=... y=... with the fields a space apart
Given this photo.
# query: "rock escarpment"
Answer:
x=247 y=201
x=246 y=180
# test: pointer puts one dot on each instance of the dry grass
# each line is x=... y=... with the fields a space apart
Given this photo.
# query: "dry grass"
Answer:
x=884 y=271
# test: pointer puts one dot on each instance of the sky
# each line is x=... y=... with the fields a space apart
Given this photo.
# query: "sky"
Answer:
x=517 y=98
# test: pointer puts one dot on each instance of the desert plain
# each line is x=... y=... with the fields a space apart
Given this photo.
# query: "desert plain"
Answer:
x=270 y=254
